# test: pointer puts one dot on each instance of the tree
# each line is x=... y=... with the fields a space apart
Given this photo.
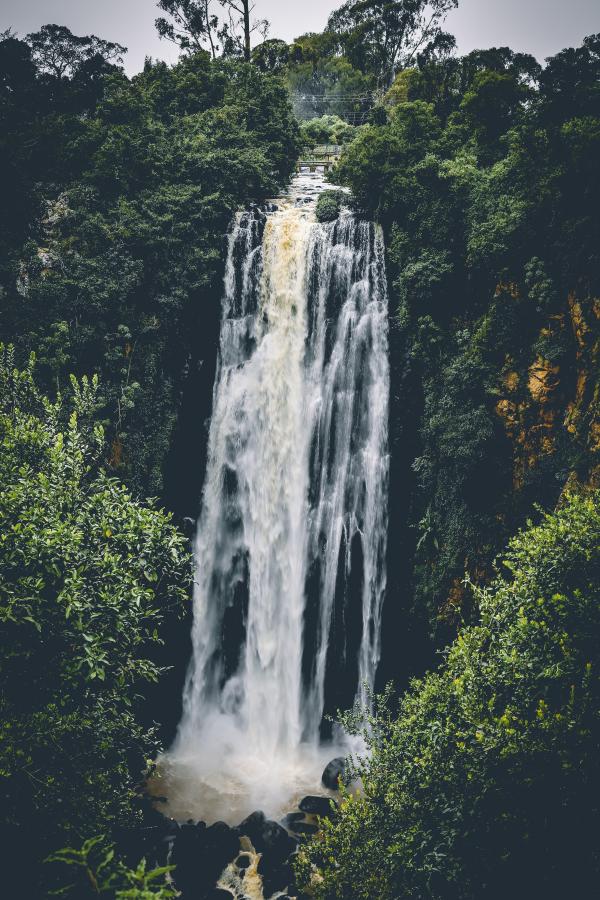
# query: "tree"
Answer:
x=141 y=188
x=243 y=9
x=330 y=85
x=59 y=52
x=487 y=782
x=570 y=83
x=381 y=37
x=191 y=26
x=88 y=576
x=272 y=55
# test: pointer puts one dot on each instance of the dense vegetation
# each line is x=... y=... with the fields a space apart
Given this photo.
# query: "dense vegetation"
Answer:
x=118 y=196
x=486 y=782
x=483 y=172
x=483 y=175
x=88 y=575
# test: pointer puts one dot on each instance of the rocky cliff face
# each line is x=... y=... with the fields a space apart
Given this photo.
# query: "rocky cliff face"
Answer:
x=554 y=402
x=499 y=414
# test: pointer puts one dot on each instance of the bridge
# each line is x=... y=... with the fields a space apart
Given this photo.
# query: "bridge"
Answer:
x=321 y=158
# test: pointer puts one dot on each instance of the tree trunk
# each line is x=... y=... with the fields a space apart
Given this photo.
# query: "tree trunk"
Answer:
x=213 y=52
x=246 y=4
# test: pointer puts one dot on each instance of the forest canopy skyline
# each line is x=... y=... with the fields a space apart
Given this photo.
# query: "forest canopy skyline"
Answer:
x=539 y=27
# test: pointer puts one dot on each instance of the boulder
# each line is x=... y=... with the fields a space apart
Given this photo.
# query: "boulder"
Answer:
x=188 y=526
x=200 y=855
x=333 y=771
x=267 y=837
x=276 y=875
x=305 y=828
x=252 y=823
x=316 y=806
x=291 y=818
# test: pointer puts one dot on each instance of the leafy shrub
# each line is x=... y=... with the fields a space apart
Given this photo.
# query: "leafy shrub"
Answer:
x=487 y=782
x=98 y=873
x=329 y=205
x=88 y=575
x=327 y=130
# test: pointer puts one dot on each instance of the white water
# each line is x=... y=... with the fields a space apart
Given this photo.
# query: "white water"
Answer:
x=296 y=481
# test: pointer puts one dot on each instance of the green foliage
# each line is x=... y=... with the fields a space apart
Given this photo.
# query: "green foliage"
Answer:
x=88 y=575
x=486 y=185
x=324 y=85
x=381 y=37
x=115 y=264
x=57 y=51
x=329 y=205
x=225 y=27
x=98 y=873
x=327 y=130
x=190 y=25
x=486 y=781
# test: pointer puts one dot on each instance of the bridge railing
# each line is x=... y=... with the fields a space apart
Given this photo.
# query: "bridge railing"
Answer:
x=327 y=150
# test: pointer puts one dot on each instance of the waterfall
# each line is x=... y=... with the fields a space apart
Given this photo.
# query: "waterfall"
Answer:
x=290 y=546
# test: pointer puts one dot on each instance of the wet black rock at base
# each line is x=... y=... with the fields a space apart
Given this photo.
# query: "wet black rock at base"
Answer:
x=305 y=828
x=290 y=819
x=276 y=846
x=316 y=806
x=200 y=854
x=267 y=836
x=333 y=771
x=276 y=876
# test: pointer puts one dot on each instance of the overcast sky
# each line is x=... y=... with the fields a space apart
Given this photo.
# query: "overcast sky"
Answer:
x=541 y=27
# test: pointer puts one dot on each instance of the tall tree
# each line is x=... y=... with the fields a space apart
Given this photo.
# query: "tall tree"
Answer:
x=240 y=17
x=195 y=25
x=59 y=52
x=380 y=37
x=192 y=25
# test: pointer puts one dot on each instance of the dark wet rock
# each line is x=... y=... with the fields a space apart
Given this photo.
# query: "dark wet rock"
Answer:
x=218 y=894
x=252 y=823
x=305 y=828
x=171 y=831
x=200 y=854
x=289 y=820
x=276 y=875
x=243 y=861
x=189 y=526
x=267 y=837
x=316 y=806
x=333 y=771
x=276 y=846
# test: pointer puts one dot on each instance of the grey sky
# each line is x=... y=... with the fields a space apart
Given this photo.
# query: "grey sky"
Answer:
x=541 y=27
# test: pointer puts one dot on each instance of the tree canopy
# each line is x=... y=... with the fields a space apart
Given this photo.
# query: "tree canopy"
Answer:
x=88 y=575
x=56 y=51
x=380 y=37
x=486 y=781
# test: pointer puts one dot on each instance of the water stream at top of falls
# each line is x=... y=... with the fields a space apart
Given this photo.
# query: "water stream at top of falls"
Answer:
x=291 y=540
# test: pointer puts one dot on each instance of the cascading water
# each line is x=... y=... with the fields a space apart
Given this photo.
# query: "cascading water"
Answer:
x=290 y=548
